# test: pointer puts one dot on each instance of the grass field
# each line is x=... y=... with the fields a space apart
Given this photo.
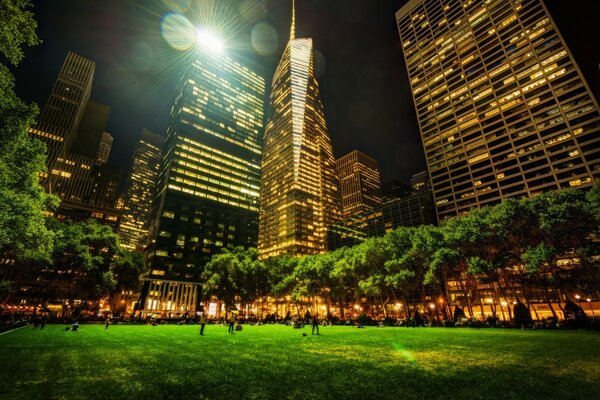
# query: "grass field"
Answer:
x=277 y=362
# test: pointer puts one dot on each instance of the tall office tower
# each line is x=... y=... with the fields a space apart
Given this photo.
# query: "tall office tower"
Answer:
x=503 y=109
x=299 y=195
x=104 y=148
x=420 y=182
x=360 y=183
x=208 y=184
x=139 y=191
x=59 y=121
x=89 y=135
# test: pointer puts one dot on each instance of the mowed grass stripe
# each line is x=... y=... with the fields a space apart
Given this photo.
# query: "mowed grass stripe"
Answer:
x=277 y=362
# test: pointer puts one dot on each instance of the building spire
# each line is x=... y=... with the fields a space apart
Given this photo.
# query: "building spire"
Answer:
x=293 y=28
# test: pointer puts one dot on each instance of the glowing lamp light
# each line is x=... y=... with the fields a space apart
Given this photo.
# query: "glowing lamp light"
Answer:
x=208 y=40
x=504 y=304
x=577 y=296
x=432 y=306
x=489 y=301
x=588 y=300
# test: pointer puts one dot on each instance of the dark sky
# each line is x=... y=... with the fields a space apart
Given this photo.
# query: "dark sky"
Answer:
x=362 y=75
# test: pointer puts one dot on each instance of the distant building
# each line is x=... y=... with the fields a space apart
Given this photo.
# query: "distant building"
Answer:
x=72 y=125
x=299 y=193
x=359 y=182
x=139 y=191
x=59 y=120
x=394 y=190
x=503 y=108
x=420 y=182
x=104 y=148
x=414 y=210
x=88 y=138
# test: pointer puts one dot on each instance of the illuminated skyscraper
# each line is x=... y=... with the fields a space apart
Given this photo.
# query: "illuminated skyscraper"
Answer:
x=360 y=183
x=503 y=109
x=209 y=178
x=300 y=193
x=139 y=191
x=59 y=121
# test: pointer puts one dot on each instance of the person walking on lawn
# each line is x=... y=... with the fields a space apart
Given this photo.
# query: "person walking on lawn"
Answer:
x=231 y=322
x=202 y=324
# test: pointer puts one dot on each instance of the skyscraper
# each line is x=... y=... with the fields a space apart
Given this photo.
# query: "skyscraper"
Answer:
x=503 y=109
x=299 y=196
x=360 y=183
x=60 y=118
x=106 y=142
x=71 y=125
x=208 y=184
x=139 y=191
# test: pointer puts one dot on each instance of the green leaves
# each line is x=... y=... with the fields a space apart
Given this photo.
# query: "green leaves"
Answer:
x=17 y=28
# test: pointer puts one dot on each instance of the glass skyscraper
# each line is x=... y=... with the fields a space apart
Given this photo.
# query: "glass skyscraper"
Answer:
x=209 y=178
x=503 y=109
x=300 y=194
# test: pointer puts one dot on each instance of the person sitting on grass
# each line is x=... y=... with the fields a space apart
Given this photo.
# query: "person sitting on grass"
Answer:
x=75 y=326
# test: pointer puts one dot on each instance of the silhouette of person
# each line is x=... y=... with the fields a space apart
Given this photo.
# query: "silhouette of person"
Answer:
x=315 y=324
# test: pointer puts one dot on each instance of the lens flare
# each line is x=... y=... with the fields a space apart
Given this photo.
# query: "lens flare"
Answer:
x=264 y=39
x=178 y=31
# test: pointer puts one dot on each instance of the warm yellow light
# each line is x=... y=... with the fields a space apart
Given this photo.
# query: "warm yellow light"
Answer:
x=489 y=301
x=577 y=296
x=504 y=304
x=431 y=305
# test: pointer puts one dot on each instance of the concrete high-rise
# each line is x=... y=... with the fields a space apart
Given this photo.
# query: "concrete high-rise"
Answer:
x=71 y=126
x=360 y=183
x=59 y=121
x=299 y=195
x=209 y=178
x=139 y=191
x=502 y=106
x=104 y=147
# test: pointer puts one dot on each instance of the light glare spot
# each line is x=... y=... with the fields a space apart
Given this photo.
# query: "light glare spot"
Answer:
x=264 y=39
x=209 y=40
x=178 y=31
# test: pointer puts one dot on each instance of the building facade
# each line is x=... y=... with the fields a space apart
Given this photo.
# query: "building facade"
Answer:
x=413 y=210
x=139 y=191
x=299 y=195
x=104 y=148
x=209 y=177
x=360 y=183
x=59 y=121
x=71 y=126
x=502 y=107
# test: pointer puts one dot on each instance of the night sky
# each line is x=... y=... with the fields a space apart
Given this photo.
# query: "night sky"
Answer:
x=364 y=89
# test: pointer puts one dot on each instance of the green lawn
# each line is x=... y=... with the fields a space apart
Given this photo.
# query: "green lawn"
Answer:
x=277 y=362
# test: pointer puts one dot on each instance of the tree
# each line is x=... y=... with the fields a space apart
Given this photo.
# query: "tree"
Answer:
x=23 y=202
x=82 y=261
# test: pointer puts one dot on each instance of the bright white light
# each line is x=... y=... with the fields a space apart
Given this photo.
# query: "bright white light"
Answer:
x=208 y=40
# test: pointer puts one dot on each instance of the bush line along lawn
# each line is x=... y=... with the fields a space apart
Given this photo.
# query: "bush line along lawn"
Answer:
x=277 y=362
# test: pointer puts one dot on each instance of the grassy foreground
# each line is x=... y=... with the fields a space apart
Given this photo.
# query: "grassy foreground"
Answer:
x=277 y=362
